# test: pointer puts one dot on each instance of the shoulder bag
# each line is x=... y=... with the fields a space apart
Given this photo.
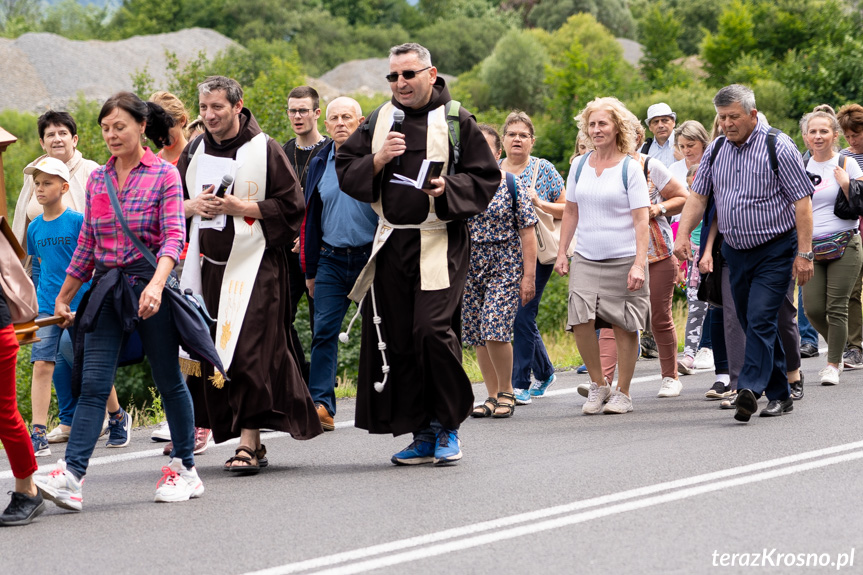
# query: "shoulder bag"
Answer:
x=18 y=288
x=547 y=230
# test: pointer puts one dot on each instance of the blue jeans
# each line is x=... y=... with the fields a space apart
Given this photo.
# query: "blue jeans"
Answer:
x=528 y=350
x=56 y=347
x=807 y=332
x=759 y=279
x=338 y=269
x=102 y=350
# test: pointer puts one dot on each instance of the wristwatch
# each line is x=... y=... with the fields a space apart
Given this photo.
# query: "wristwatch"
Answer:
x=662 y=209
x=806 y=256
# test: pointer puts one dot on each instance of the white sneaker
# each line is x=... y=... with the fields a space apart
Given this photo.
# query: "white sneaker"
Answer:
x=596 y=396
x=619 y=402
x=830 y=375
x=583 y=389
x=104 y=431
x=178 y=483
x=57 y=435
x=61 y=487
x=161 y=433
x=704 y=359
x=670 y=387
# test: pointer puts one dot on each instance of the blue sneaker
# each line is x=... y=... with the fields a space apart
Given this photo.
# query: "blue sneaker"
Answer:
x=538 y=388
x=447 y=447
x=118 y=431
x=581 y=369
x=417 y=452
x=39 y=438
x=522 y=396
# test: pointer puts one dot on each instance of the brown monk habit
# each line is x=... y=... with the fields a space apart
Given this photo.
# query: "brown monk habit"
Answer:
x=421 y=329
x=266 y=389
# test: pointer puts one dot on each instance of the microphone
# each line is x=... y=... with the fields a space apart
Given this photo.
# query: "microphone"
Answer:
x=398 y=118
x=227 y=180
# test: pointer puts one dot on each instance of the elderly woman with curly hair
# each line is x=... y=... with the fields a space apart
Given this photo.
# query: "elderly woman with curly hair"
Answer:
x=607 y=201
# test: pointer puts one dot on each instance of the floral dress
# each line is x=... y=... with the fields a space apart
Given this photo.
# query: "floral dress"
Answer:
x=491 y=292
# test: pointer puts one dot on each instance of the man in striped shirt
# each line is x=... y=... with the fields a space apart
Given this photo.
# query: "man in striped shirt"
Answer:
x=766 y=221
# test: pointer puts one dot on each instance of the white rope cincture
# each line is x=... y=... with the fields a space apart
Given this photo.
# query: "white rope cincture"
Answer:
x=376 y=320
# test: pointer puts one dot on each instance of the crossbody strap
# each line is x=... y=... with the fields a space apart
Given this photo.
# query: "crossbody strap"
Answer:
x=118 y=211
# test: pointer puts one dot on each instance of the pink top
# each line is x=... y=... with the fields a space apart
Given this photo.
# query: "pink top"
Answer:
x=152 y=203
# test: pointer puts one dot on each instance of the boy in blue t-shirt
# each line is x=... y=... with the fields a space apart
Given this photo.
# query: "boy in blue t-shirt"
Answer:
x=51 y=239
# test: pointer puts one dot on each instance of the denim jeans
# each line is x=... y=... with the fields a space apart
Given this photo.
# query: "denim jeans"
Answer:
x=807 y=332
x=102 y=350
x=56 y=347
x=528 y=350
x=338 y=269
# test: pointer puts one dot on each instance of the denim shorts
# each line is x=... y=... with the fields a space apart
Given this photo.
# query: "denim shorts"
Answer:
x=48 y=347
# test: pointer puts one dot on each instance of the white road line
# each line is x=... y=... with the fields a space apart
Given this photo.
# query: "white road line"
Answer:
x=683 y=485
x=521 y=531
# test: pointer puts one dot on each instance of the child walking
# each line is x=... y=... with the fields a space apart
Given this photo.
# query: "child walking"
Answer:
x=51 y=240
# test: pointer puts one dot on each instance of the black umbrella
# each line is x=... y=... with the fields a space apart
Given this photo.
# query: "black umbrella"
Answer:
x=193 y=323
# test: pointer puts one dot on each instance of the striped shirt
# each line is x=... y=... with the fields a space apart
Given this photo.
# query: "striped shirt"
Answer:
x=753 y=205
x=850 y=154
x=152 y=203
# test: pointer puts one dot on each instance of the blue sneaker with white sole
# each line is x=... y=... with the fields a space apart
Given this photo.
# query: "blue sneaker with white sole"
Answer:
x=447 y=448
x=538 y=388
x=522 y=396
x=118 y=431
x=417 y=452
x=581 y=369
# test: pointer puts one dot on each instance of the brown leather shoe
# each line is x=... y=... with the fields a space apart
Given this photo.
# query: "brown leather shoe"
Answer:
x=325 y=417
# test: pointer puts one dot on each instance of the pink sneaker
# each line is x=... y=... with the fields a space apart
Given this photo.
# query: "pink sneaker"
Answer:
x=686 y=366
x=202 y=440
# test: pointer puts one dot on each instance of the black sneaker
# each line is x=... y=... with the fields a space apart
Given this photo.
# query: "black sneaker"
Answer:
x=808 y=350
x=22 y=509
x=719 y=391
x=648 y=346
x=853 y=358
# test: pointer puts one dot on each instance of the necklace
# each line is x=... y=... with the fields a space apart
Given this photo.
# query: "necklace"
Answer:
x=302 y=174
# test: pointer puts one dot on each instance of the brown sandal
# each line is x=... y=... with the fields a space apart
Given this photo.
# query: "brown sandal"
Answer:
x=261 y=455
x=483 y=410
x=249 y=468
x=508 y=408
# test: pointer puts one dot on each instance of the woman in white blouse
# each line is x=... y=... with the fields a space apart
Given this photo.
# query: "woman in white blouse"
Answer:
x=607 y=202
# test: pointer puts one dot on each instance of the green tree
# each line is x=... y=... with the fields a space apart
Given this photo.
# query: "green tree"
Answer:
x=613 y=14
x=76 y=21
x=659 y=31
x=515 y=72
x=457 y=45
x=734 y=37
x=697 y=17
x=266 y=97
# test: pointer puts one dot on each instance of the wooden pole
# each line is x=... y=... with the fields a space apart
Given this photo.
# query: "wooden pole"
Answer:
x=6 y=140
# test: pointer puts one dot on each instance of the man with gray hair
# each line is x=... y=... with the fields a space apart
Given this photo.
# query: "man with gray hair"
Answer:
x=411 y=379
x=238 y=239
x=335 y=244
x=765 y=217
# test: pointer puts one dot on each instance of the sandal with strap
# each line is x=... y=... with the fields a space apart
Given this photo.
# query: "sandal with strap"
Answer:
x=261 y=455
x=484 y=410
x=508 y=408
x=249 y=468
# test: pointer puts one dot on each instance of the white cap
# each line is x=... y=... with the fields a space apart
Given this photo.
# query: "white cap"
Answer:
x=49 y=165
x=660 y=109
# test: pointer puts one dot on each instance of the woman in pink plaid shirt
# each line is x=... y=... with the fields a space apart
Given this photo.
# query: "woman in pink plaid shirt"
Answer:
x=126 y=295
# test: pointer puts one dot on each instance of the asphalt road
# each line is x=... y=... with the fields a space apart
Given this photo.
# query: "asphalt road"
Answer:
x=674 y=487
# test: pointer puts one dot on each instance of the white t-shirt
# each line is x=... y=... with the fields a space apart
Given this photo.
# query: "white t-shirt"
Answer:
x=659 y=178
x=824 y=197
x=605 y=229
x=678 y=170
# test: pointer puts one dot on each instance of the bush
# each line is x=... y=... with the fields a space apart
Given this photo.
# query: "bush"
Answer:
x=459 y=44
x=515 y=72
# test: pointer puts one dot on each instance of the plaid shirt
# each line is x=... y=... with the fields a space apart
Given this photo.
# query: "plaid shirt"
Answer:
x=152 y=203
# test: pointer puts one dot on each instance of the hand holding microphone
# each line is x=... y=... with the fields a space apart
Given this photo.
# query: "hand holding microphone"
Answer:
x=226 y=182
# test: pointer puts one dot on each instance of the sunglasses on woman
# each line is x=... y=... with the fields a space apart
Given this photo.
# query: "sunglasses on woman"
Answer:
x=407 y=74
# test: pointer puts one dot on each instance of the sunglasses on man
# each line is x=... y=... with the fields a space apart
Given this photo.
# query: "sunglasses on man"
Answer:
x=407 y=74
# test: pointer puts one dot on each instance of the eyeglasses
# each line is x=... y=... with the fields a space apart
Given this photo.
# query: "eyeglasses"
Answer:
x=519 y=135
x=301 y=112
x=407 y=74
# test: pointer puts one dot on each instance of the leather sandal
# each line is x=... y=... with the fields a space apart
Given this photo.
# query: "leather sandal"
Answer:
x=486 y=409
x=249 y=468
x=261 y=455
x=508 y=408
